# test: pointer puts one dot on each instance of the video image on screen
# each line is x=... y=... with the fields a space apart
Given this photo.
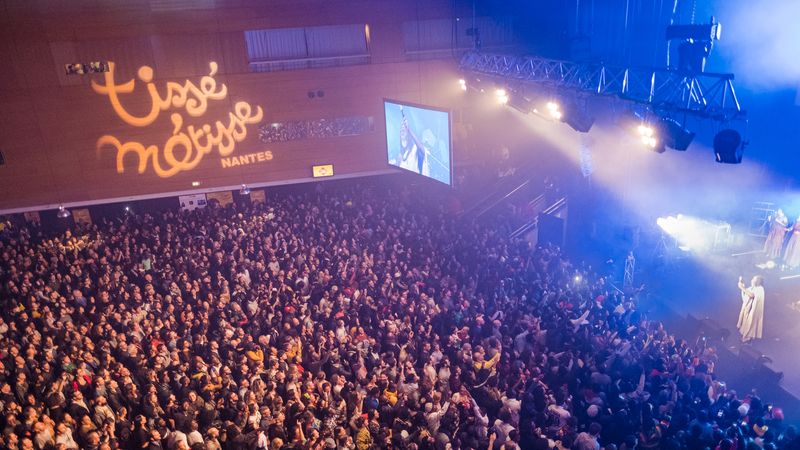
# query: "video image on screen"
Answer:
x=418 y=140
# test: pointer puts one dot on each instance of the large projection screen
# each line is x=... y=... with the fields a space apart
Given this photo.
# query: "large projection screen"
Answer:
x=418 y=140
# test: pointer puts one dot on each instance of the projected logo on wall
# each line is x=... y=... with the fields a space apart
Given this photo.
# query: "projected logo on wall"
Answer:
x=188 y=144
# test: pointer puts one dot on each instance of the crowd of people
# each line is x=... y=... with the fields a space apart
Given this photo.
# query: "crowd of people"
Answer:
x=355 y=317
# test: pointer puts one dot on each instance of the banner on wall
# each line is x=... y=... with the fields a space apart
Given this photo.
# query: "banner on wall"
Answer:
x=192 y=202
x=258 y=196
x=224 y=198
x=82 y=215
x=32 y=217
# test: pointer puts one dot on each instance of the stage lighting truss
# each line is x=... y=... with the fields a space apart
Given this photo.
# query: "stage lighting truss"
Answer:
x=705 y=95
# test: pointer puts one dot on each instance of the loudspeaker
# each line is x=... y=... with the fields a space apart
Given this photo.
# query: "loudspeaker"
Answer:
x=675 y=135
x=728 y=147
x=756 y=361
x=713 y=330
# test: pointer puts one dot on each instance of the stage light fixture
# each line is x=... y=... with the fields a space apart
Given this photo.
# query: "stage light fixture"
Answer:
x=521 y=103
x=694 y=234
x=554 y=110
x=501 y=95
x=648 y=137
x=463 y=84
x=728 y=147
x=674 y=134
x=62 y=213
x=577 y=118
x=697 y=41
x=244 y=190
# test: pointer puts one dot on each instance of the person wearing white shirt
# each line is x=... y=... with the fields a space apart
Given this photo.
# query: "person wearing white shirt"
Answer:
x=194 y=436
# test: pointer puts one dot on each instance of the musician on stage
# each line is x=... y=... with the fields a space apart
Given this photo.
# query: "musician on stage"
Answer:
x=751 y=316
x=792 y=256
x=777 y=232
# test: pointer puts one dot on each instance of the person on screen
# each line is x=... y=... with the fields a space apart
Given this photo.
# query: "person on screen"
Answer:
x=413 y=153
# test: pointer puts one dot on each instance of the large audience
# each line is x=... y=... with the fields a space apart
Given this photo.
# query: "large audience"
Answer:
x=355 y=317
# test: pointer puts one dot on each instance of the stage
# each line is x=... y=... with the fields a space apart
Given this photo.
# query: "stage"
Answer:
x=696 y=295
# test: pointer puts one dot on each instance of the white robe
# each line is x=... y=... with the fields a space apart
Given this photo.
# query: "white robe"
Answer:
x=751 y=316
x=411 y=162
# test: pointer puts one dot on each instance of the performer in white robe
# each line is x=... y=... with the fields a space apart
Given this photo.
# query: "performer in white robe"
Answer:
x=751 y=316
x=777 y=233
x=792 y=256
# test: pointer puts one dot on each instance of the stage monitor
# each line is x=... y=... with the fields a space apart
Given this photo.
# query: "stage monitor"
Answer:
x=418 y=139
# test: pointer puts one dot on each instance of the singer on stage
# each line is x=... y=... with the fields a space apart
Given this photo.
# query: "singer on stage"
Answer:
x=751 y=316
x=777 y=233
x=792 y=256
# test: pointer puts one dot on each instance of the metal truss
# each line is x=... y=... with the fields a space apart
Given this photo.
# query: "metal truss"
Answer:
x=707 y=95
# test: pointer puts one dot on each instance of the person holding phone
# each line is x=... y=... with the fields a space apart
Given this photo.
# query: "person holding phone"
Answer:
x=413 y=152
x=751 y=316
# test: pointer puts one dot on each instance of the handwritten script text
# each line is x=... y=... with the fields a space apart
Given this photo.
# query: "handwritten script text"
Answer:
x=186 y=146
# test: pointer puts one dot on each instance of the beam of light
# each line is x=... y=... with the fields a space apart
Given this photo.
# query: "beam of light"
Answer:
x=501 y=95
x=691 y=233
x=646 y=185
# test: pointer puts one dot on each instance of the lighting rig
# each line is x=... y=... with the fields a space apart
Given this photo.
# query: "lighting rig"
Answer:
x=669 y=95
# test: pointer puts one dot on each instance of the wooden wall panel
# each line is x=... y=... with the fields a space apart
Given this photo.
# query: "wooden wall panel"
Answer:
x=183 y=55
x=51 y=123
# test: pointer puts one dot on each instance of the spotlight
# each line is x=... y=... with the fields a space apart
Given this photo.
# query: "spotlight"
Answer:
x=501 y=95
x=463 y=84
x=728 y=147
x=554 y=110
x=127 y=209
x=244 y=190
x=690 y=233
x=63 y=213
x=577 y=279
x=649 y=139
